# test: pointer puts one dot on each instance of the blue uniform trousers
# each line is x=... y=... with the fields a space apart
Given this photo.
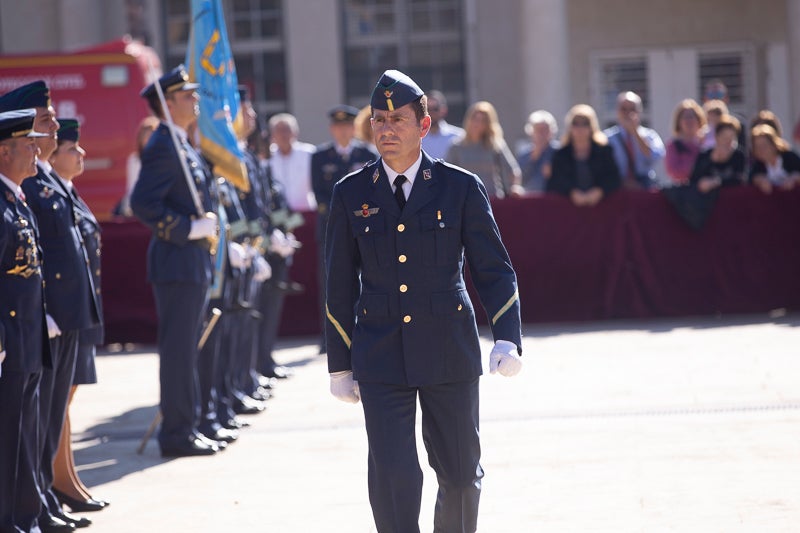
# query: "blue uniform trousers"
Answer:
x=450 y=434
x=270 y=304
x=20 y=451
x=181 y=309
x=54 y=395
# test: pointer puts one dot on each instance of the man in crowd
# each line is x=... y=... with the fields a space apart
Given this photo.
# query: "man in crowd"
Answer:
x=331 y=162
x=24 y=348
x=290 y=161
x=401 y=326
x=637 y=149
x=178 y=259
x=442 y=135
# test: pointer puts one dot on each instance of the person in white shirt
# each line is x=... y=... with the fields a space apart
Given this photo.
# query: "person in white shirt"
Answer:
x=290 y=162
x=442 y=134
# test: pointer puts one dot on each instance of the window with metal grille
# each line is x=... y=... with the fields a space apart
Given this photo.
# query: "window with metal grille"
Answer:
x=423 y=38
x=616 y=75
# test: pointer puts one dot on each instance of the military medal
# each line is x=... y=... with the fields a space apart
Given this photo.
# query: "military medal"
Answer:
x=47 y=192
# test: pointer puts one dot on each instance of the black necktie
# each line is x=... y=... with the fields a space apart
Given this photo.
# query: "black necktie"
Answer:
x=398 y=191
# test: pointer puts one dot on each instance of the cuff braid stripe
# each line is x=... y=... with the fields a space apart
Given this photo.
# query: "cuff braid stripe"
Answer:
x=506 y=307
x=338 y=327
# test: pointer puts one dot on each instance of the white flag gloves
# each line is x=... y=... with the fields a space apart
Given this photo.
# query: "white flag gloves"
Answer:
x=262 y=269
x=505 y=359
x=203 y=227
x=344 y=388
x=282 y=244
x=237 y=255
x=52 y=328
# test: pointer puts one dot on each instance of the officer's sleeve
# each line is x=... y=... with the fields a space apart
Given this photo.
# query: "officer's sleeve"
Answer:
x=490 y=266
x=342 y=264
x=160 y=169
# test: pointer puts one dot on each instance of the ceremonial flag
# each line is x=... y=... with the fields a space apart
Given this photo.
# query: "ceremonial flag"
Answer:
x=210 y=64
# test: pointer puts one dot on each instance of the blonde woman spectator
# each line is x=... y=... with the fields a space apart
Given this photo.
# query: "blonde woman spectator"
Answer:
x=774 y=163
x=584 y=169
x=688 y=121
x=765 y=116
x=364 y=127
x=535 y=163
x=484 y=151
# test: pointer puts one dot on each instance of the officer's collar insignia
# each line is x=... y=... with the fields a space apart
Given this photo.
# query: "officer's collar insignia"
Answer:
x=10 y=197
x=375 y=176
x=47 y=192
x=426 y=174
x=366 y=211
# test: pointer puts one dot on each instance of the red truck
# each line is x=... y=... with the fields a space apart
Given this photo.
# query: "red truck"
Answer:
x=100 y=87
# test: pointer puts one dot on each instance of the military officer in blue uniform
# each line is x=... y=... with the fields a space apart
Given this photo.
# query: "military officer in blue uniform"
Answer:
x=24 y=348
x=72 y=301
x=400 y=324
x=331 y=162
x=179 y=264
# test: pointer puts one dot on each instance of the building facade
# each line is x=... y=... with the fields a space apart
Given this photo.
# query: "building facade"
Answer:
x=305 y=56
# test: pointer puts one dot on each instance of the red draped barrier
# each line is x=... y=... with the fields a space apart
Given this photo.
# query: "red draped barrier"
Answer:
x=629 y=257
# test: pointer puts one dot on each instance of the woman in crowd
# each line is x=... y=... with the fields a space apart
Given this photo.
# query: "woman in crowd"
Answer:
x=535 y=163
x=714 y=110
x=688 y=120
x=583 y=168
x=765 y=116
x=484 y=151
x=722 y=165
x=67 y=161
x=774 y=163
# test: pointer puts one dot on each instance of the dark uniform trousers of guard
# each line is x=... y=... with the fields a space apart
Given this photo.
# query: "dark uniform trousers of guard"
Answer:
x=23 y=336
x=72 y=300
x=327 y=167
x=414 y=331
x=180 y=271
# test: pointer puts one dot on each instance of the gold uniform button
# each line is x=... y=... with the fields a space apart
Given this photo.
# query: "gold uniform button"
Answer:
x=97 y=272
x=58 y=275
x=407 y=319
x=460 y=307
x=13 y=313
x=401 y=227
x=403 y=287
x=97 y=291
x=402 y=258
x=366 y=230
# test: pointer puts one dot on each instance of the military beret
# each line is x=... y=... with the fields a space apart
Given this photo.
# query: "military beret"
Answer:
x=394 y=90
x=343 y=113
x=35 y=94
x=18 y=123
x=175 y=80
x=69 y=129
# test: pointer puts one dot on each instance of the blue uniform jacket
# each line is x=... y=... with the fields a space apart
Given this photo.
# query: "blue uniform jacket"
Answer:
x=90 y=231
x=69 y=287
x=23 y=330
x=397 y=310
x=162 y=200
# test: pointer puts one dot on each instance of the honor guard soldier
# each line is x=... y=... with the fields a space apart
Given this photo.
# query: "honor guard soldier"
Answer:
x=174 y=197
x=331 y=162
x=70 y=294
x=401 y=326
x=24 y=348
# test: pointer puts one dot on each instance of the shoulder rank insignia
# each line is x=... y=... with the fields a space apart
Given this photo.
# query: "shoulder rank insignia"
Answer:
x=375 y=176
x=366 y=211
x=426 y=174
x=47 y=192
x=10 y=197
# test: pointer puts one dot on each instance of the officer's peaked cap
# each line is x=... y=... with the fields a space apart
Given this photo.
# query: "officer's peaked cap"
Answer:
x=35 y=94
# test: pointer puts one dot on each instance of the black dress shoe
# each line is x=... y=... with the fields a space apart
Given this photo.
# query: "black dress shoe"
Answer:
x=248 y=406
x=267 y=383
x=80 y=506
x=235 y=423
x=280 y=372
x=220 y=444
x=223 y=435
x=80 y=522
x=194 y=446
x=261 y=394
x=52 y=524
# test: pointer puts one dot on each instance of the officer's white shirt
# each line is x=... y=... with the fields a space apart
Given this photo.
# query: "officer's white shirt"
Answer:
x=13 y=186
x=410 y=173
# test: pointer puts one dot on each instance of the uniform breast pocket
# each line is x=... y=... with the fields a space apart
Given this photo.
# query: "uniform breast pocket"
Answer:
x=441 y=239
x=373 y=243
x=54 y=217
x=373 y=306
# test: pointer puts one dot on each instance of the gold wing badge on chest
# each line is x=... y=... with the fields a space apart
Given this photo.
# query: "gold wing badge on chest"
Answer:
x=366 y=211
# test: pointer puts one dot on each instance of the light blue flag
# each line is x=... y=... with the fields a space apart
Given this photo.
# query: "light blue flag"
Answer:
x=210 y=64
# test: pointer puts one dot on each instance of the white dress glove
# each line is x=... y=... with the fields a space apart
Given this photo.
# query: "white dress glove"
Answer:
x=237 y=255
x=262 y=269
x=52 y=328
x=344 y=387
x=203 y=227
x=282 y=244
x=505 y=359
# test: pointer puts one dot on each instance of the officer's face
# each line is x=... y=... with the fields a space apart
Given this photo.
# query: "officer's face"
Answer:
x=343 y=132
x=398 y=135
x=45 y=122
x=67 y=160
x=183 y=105
x=19 y=158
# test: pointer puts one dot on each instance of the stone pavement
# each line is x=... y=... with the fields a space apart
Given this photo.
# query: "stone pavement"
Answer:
x=687 y=425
